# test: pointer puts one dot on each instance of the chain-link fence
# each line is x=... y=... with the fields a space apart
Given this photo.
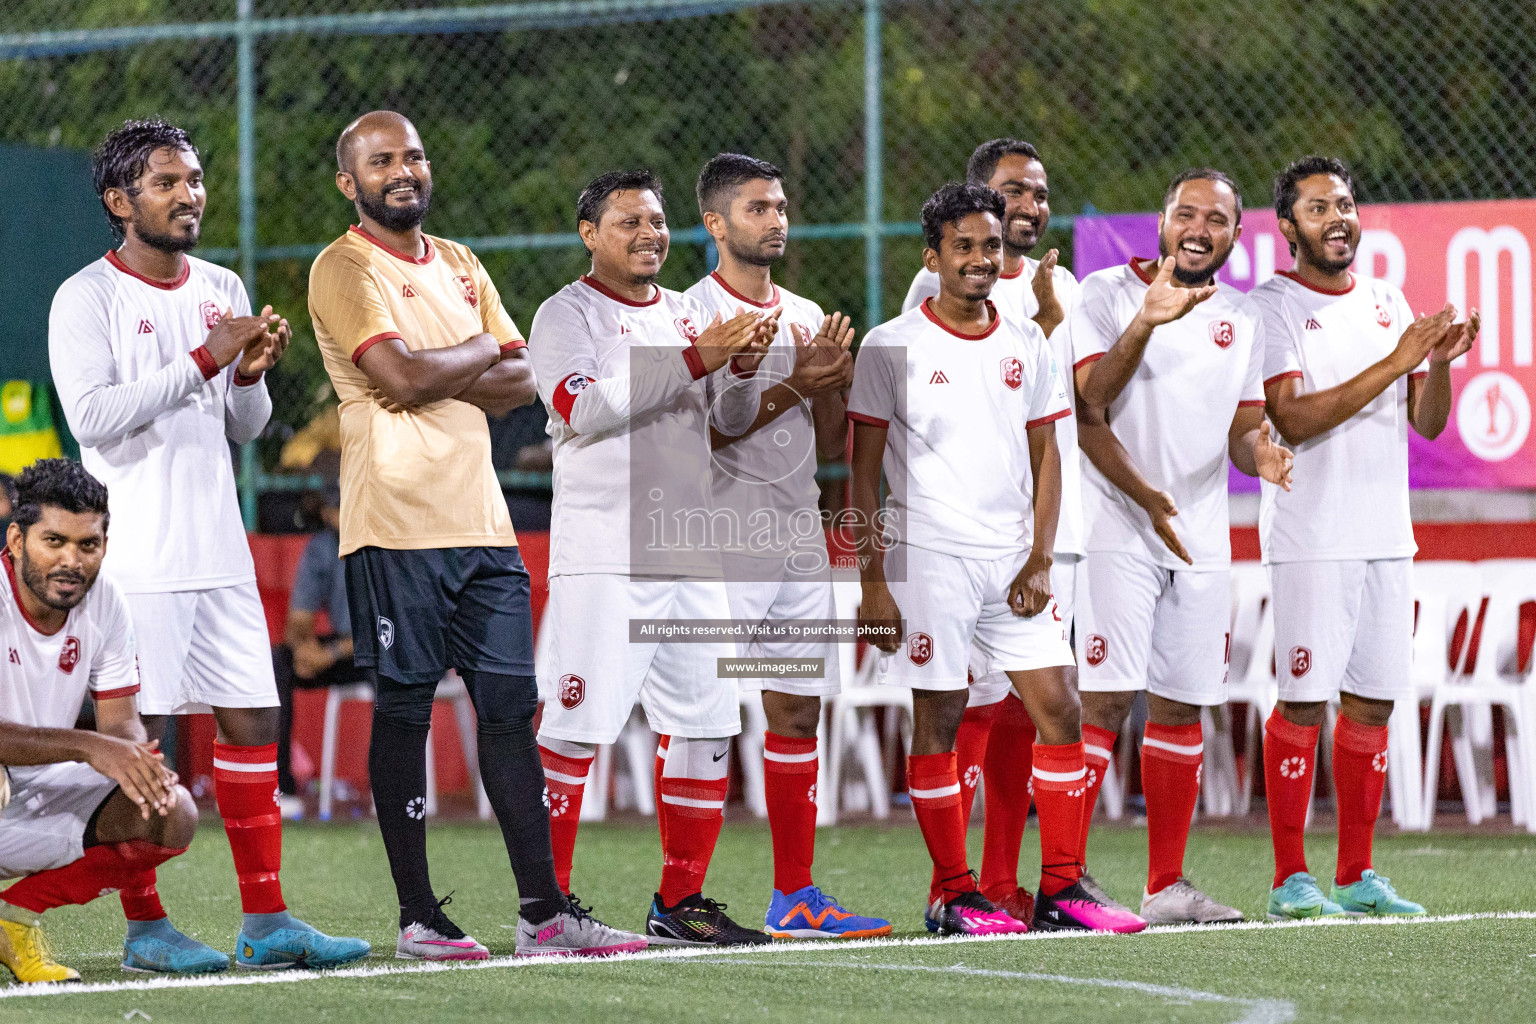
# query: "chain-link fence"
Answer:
x=520 y=103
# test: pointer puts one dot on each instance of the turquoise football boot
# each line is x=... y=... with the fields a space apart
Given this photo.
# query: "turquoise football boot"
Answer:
x=156 y=947
x=1373 y=896
x=1299 y=898
x=292 y=943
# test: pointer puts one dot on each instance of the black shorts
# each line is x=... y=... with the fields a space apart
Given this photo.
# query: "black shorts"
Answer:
x=415 y=614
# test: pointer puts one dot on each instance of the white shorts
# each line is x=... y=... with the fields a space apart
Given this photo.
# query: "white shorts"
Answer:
x=591 y=674
x=948 y=604
x=202 y=649
x=767 y=602
x=43 y=826
x=989 y=686
x=1143 y=627
x=1343 y=626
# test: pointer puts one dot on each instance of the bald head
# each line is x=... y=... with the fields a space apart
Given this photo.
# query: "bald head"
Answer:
x=381 y=129
x=382 y=168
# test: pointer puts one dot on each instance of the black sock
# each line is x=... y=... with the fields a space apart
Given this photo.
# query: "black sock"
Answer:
x=397 y=771
x=513 y=777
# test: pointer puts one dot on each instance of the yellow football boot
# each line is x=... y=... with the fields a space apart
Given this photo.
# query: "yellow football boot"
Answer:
x=24 y=949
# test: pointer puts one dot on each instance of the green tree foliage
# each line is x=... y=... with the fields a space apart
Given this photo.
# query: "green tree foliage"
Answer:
x=1427 y=99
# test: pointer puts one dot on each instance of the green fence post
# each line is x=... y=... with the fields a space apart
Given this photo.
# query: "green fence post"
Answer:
x=874 y=188
x=246 y=115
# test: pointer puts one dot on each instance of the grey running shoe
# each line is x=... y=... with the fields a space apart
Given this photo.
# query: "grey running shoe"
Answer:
x=1182 y=903
x=1093 y=888
x=574 y=932
x=438 y=939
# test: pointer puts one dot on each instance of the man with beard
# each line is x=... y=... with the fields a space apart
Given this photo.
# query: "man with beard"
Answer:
x=1168 y=378
x=1345 y=374
x=419 y=349
x=996 y=735
x=766 y=479
x=635 y=378
x=958 y=405
x=88 y=812
x=159 y=365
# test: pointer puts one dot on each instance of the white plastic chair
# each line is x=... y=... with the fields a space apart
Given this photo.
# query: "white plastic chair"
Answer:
x=1443 y=593
x=1494 y=679
x=853 y=723
x=637 y=746
x=451 y=689
x=1251 y=678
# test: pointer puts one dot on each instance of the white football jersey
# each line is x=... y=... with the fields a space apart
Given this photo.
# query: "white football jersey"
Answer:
x=1014 y=297
x=773 y=468
x=46 y=675
x=630 y=407
x=957 y=409
x=155 y=417
x=1349 y=486
x=1173 y=416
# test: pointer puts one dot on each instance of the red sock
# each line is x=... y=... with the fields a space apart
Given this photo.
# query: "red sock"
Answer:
x=1289 y=771
x=1359 y=773
x=1170 y=778
x=657 y=769
x=565 y=779
x=970 y=751
x=245 y=788
x=140 y=898
x=692 y=811
x=1006 y=768
x=1098 y=748
x=101 y=870
x=789 y=784
x=1060 y=777
x=935 y=791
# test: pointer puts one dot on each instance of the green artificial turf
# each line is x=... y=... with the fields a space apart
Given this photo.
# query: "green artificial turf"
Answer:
x=336 y=877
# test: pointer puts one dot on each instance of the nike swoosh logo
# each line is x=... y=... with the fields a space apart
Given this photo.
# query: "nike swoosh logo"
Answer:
x=720 y=755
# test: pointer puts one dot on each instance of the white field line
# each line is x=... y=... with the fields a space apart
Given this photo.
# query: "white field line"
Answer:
x=1256 y=1011
x=237 y=977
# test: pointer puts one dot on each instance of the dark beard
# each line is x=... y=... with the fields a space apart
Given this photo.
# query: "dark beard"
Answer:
x=37 y=582
x=395 y=218
x=1317 y=258
x=752 y=257
x=167 y=243
x=1186 y=278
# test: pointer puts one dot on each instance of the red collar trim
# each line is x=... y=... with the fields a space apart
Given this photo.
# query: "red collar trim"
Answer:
x=592 y=282
x=169 y=286
x=10 y=571
x=1292 y=275
x=733 y=293
x=1135 y=265
x=1009 y=277
x=396 y=253
x=931 y=315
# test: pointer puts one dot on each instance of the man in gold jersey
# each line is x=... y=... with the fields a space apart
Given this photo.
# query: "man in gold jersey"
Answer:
x=419 y=349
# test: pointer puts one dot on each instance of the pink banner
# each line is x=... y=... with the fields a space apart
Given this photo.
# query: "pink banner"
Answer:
x=1472 y=254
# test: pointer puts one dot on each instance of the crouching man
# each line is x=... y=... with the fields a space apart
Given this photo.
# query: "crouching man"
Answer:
x=89 y=813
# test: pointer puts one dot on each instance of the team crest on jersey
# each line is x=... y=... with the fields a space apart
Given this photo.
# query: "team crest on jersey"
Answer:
x=1096 y=650
x=1013 y=373
x=573 y=690
x=686 y=328
x=69 y=655
x=575 y=384
x=386 y=633
x=1301 y=662
x=1223 y=333
x=920 y=649
x=1383 y=317
x=467 y=289
x=211 y=314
